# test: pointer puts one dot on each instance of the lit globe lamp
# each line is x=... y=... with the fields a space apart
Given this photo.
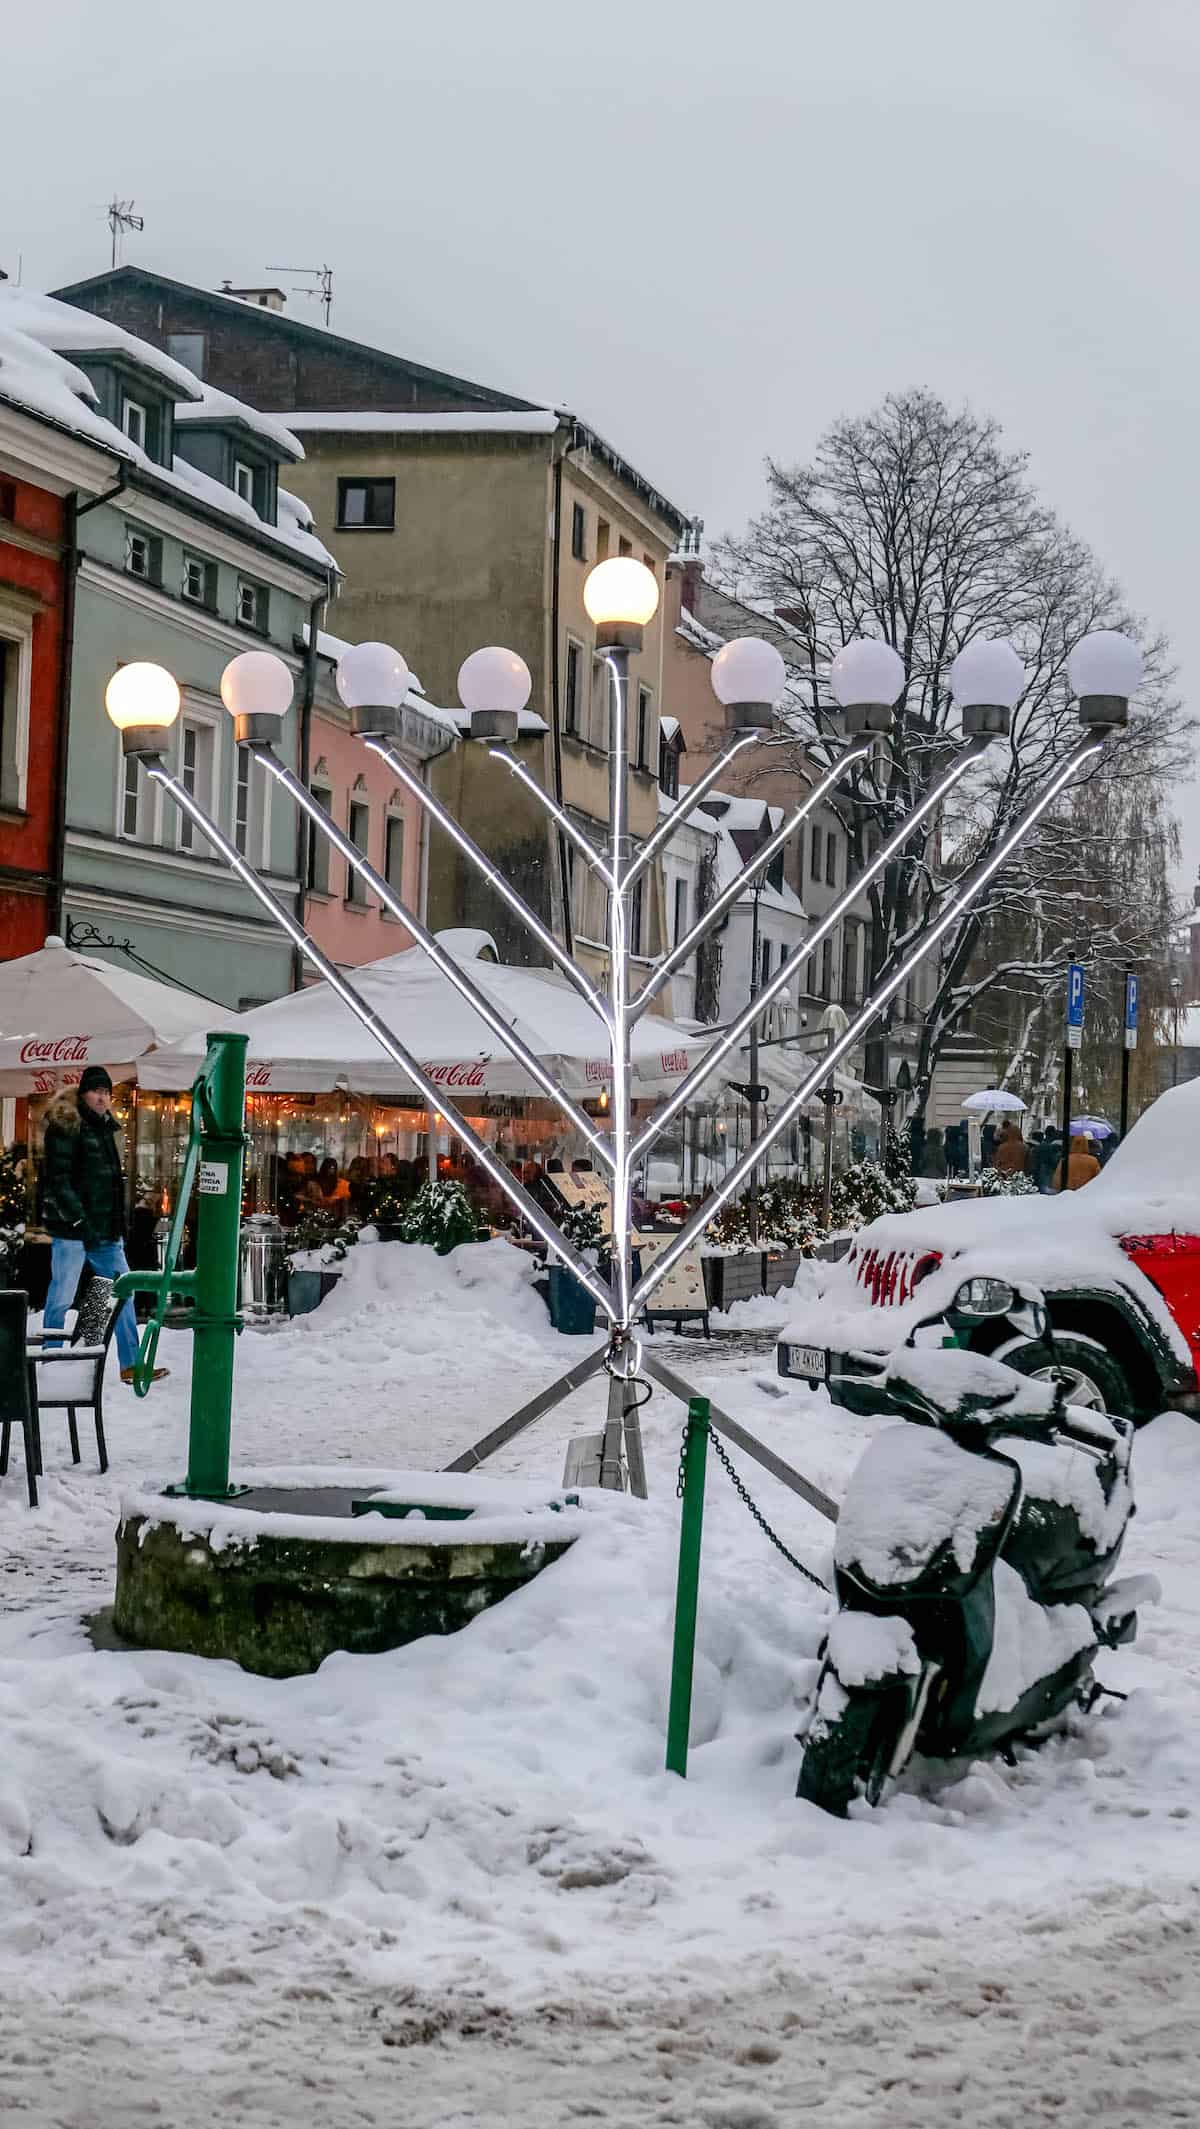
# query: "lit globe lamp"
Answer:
x=749 y=677
x=256 y=689
x=494 y=686
x=986 y=680
x=1104 y=670
x=621 y=597
x=373 y=681
x=867 y=678
x=142 y=701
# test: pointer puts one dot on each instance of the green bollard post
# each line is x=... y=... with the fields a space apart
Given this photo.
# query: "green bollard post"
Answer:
x=687 y=1589
x=218 y=1240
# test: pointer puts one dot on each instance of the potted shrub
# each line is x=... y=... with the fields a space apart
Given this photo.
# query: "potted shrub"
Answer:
x=322 y=1236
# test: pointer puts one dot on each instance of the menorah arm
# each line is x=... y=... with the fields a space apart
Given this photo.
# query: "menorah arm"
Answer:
x=434 y=1096
x=477 y=999
x=590 y=855
x=680 y=811
x=961 y=900
x=493 y=876
x=686 y=946
x=732 y=1035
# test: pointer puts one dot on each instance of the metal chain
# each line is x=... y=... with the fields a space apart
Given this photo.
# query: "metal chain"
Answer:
x=743 y=1492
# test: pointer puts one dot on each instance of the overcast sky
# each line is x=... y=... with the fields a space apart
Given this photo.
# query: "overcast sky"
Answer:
x=710 y=228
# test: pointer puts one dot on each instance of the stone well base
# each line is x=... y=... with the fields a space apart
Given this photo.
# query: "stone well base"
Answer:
x=249 y=1581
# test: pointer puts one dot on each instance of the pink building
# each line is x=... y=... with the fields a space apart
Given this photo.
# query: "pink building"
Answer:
x=378 y=814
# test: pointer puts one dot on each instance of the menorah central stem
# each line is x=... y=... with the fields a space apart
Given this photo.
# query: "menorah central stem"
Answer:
x=619 y=944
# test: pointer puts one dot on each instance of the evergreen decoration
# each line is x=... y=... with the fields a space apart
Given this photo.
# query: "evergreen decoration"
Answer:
x=442 y=1216
x=327 y=1232
x=13 y=1193
x=582 y=1227
x=789 y=1217
x=865 y=1191
x=992 y=1184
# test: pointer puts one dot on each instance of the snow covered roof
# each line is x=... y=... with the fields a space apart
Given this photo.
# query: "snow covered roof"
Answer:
x=218 y=407
x=36 y=376
x=541 y=422
x=700 y=638
x=722 y=815
x=69 y=331
x=332 y=647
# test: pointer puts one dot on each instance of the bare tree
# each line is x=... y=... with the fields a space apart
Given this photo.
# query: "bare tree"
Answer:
x=913 y=523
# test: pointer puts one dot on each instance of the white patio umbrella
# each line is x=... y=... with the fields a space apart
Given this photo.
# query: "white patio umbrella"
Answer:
x=993 y=1098
x=61 y=1010
x=311 y=1043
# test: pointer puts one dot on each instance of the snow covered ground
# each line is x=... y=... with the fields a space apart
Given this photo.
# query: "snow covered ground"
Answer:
x=453 y=1885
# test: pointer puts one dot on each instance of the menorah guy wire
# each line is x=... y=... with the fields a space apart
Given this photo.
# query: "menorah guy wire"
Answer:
x=867 y=679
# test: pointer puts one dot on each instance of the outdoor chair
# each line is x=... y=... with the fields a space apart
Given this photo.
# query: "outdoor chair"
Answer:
x=72 y=1376
x=18 y=1391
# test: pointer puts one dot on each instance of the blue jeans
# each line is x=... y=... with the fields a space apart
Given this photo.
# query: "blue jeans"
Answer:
x=107 y=1259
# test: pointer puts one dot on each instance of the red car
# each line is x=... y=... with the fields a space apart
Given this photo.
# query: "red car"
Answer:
x=1118 y=1263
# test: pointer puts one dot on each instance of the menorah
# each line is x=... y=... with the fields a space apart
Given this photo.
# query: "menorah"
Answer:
x=749 y=679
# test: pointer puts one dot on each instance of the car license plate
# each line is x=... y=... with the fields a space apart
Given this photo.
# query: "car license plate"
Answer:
x=809 y=1360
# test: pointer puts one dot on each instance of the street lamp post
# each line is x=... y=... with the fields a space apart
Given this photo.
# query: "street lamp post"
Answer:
x=1176 y=996
x=748 y=678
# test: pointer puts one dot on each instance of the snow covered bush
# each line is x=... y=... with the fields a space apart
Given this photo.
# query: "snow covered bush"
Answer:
x=789 y=1217
x=442 y=1216
x=582 y=1227
x=992 y=1184
x=326 y=1232
x=865 y=1191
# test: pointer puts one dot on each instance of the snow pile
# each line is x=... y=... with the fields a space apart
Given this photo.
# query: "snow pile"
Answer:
x=864 y=1649
x=915 y=1492
x=1031 y=1641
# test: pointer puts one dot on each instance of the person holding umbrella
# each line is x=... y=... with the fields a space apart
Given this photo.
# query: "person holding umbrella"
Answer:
x=83 y=1205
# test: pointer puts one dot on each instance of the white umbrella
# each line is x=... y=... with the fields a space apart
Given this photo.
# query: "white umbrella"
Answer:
x=61 y=1010
x=311 y=1043
x=993 y=1098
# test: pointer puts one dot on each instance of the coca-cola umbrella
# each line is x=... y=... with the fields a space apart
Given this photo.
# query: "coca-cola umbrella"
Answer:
x=311 y=1043
x=61 y=1010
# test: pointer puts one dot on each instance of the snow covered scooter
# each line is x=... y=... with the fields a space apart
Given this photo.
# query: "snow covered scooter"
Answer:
x=973 y=1559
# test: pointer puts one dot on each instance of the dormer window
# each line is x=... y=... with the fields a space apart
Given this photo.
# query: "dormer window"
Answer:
x=133 y=421
x=243 y=481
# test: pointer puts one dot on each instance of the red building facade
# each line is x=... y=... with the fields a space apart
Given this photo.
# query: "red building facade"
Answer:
x=32 y=576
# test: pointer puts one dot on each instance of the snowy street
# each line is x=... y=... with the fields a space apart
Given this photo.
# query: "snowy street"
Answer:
x=453 y=1885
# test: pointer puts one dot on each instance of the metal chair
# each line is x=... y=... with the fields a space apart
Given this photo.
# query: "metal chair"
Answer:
x=76 y=1377
x=18 y=1391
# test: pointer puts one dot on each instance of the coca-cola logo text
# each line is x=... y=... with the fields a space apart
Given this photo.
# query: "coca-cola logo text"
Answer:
x=674 y=1060
x=456 y=1075
x=69 y=1049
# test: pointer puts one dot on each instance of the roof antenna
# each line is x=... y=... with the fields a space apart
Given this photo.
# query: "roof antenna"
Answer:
x=120 y=218
x=322 y=275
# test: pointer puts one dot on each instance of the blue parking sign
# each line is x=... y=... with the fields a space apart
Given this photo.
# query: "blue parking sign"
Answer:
x=1132 y=999
x=1074 y=1005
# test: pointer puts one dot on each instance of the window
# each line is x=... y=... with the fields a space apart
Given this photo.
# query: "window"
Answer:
x=143 y=555
x=133 y=421
x=637 y=905
x=668 y=768
x=578 y=532
x=679 y=920
x=850 y=965
x=241 y=800
x=645 y=706
x=831 y=865
x=197 y=747
x=572 y=704
x=318 y=847
x=827 y=969
x=243 y=481
x=602 y=537
x=366 y=505
x=648 y=560
x=360 y=833
x=15 y=674
x=764 y=963
x=251 y=605
x=624 y=546
x=814 y=862
x=130 y=795
x=188 y=348
x=393 y=853
x=199 y=581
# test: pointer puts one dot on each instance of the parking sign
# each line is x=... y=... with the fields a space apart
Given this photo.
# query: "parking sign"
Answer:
x=1132 y=995
x=1074 y=1006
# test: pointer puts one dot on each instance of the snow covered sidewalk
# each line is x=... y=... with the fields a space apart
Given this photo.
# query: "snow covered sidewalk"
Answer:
x=453 y=1885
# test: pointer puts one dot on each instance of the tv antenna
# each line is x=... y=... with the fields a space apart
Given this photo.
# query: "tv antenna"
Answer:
x=322 y=275
x=120 y=218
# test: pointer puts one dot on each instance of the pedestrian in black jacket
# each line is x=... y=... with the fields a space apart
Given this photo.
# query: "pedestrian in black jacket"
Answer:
x=83 y=1204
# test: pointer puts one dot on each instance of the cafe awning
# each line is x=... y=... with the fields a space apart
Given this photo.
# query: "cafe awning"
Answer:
x=61 y=1010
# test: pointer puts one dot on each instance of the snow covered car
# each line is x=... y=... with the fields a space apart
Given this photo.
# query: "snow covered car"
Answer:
x=1118 y=1263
